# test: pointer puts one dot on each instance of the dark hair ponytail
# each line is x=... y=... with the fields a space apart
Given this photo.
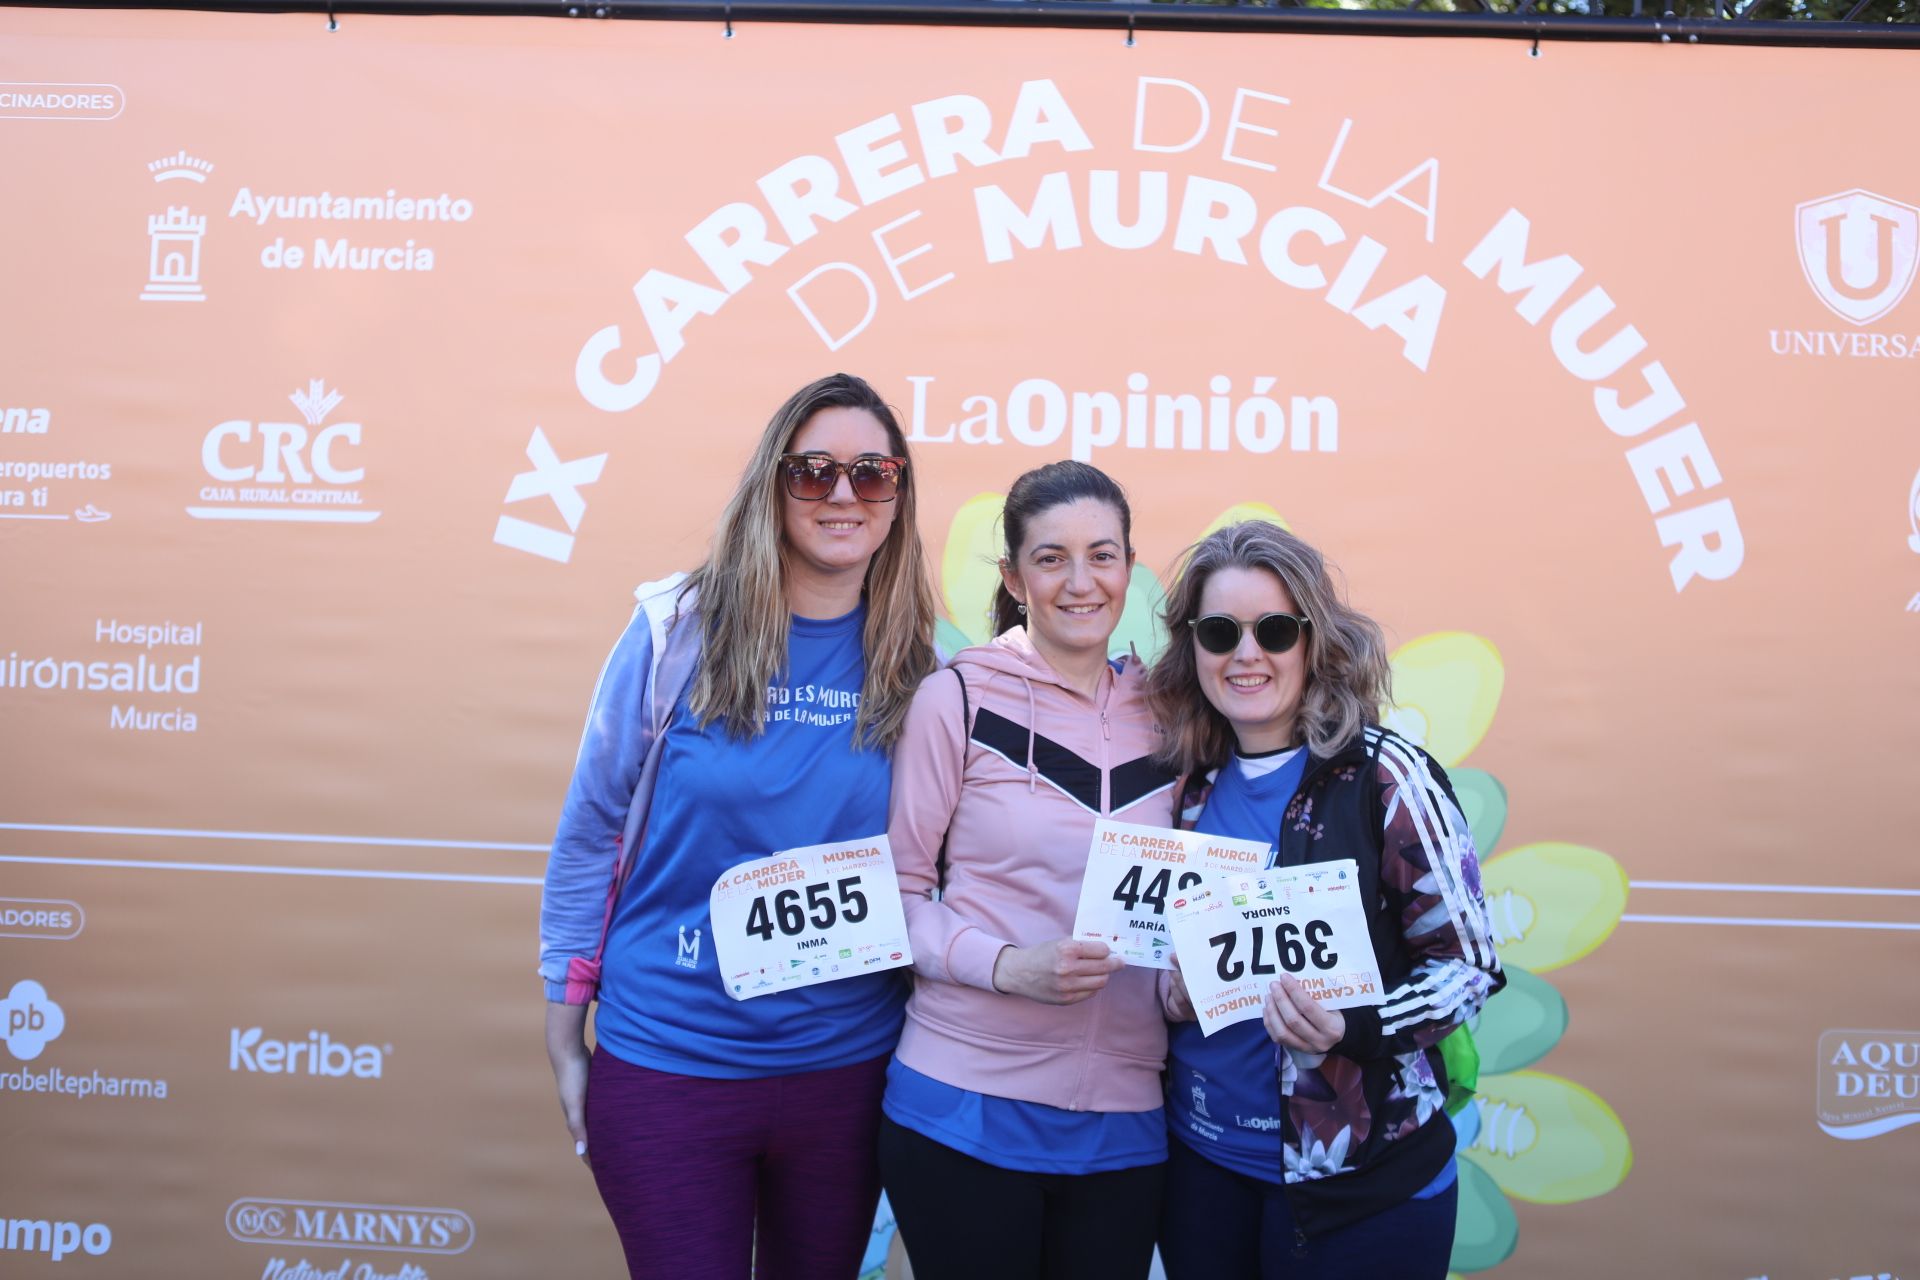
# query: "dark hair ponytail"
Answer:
x=1038 y=492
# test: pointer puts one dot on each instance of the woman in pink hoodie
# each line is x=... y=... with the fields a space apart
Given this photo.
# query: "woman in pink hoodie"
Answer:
x=1024 y=1134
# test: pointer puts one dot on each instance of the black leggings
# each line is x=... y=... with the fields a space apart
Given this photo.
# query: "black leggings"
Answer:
x=1222 y=1225
x=964 y=1219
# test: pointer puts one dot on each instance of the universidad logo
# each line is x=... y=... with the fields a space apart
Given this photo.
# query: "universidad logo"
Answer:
x=31 y=1019
x=1859 y=251
x=1525 y=1134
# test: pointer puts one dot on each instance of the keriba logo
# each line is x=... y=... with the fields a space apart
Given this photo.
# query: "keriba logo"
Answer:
x=1859 y=251
x=318 y=1055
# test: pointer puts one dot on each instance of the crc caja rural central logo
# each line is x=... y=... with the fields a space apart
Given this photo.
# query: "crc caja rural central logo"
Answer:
x=398 y=1228
x=308 y=472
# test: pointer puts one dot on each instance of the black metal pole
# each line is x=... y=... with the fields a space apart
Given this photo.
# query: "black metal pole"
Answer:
x=1115 y=15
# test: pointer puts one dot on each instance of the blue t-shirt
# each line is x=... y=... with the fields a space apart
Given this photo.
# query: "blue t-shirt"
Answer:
x=1223 y=1090
x=718 y=802
x=1029 y=1136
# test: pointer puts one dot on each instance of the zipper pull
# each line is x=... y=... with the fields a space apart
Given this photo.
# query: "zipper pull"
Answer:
x=1105 y=731
x=1299 y=1242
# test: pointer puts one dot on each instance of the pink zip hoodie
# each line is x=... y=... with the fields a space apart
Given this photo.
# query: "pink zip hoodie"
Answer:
x=1041 y=763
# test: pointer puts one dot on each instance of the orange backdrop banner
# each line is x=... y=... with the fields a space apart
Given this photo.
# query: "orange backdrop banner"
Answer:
x=352 y=378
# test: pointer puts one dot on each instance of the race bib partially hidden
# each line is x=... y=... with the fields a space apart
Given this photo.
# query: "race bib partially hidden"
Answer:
x=1134 y=871
x=1236 y=934
x=806 y=916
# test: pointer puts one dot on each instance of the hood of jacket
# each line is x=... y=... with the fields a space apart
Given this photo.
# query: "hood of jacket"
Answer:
x=1010 y=670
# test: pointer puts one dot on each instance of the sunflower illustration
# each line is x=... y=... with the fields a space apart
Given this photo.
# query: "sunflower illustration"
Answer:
x=1526 y=1135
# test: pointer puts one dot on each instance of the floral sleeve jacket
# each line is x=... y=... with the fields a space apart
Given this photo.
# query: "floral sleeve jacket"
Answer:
x=1364 y=1126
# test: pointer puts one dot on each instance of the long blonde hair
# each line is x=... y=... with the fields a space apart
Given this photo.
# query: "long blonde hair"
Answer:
x=742 y=602
x=1348 y=678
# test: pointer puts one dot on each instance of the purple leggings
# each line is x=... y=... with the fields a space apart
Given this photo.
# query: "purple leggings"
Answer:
x=690 y=1167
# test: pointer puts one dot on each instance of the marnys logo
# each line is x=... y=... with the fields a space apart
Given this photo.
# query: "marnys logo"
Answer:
x=1869 y=1082
x=274 y=471
x=1859 y=251
x=318 y=1055
x=365 y=1226
x=31 y=1020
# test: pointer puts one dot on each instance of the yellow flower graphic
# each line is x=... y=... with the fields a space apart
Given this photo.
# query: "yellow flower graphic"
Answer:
x=1528 y=1135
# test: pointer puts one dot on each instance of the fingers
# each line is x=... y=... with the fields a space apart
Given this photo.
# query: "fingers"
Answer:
x=1275 y=1022
x=1295 y=1019
x=1079 y=959
x=1323 y=1021
x=1082 y=983
x=1084 y=949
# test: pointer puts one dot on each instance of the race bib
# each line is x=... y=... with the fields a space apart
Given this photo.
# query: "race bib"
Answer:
x=1236 y=934
x=1133 y=872
x=806 y=916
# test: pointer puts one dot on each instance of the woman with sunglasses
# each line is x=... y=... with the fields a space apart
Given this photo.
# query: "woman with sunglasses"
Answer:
x=717 y=1127
x=1024 y=1135
x=1312 y=1144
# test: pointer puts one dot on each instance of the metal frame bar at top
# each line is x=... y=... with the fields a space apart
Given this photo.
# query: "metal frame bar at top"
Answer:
x=1526 y=23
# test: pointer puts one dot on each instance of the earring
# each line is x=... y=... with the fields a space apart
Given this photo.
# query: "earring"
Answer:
x=1022 y=609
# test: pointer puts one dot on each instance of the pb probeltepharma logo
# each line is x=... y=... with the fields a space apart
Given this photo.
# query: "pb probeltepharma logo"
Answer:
x=30 y=1020
x=318 y=1055
x=1869 y=1082
x=398 y=1228
x=286 y=470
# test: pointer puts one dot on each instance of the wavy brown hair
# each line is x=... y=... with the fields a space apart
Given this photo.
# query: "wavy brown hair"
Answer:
x=742 y=602
x=1347 y=674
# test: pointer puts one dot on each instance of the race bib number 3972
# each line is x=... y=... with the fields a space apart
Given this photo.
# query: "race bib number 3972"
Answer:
x=807 y=916
x=1237 y=934
x=1134 y=871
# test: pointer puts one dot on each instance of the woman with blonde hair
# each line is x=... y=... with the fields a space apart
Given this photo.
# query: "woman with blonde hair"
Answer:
x=1312 y=1145
x=750 y=707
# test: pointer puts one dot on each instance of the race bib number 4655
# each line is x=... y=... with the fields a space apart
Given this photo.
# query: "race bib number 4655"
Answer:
x=1236 y=934
x=806 y=916
x=1134 y=871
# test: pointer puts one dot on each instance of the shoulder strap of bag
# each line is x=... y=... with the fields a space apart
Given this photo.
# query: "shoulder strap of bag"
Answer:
x=671 y=676
x=966 y=741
